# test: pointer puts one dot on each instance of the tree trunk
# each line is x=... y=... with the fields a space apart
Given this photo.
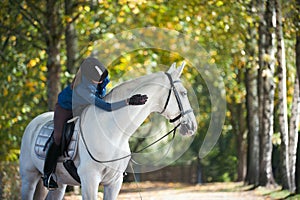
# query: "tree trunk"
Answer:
x=297 y=143
x=266 y=174
x=71 y=38
x=238 y=122
x=242 y=144
x=282 y=101
x=199 y=171
x=260 y=88
x=252 y=176
x=253 y=127
x=296 y=134
x=53 y=38
x=293 y=134
x=298 y=168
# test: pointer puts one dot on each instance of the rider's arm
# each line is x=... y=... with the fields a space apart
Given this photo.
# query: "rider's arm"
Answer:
x=109 y=106
x=91 y=97
x=137 y=99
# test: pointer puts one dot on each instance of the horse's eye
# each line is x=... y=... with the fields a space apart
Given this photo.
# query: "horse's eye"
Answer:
x=184 y=93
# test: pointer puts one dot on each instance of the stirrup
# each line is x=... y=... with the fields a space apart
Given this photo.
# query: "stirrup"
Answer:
x=49 y=182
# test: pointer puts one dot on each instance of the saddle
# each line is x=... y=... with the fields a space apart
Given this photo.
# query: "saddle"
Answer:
x=70 y=138
x=68 y=144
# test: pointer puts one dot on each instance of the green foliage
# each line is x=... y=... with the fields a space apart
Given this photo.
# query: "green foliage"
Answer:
x=23 y=85
x=221 y=163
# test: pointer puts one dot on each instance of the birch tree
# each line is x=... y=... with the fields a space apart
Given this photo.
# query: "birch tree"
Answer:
x=296 y=149
x=282 y=100
x=267 y=44
x=293 y=134
x=294 y=122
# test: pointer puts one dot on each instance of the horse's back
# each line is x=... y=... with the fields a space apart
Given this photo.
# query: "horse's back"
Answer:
x=29 y=136
x=32 y=128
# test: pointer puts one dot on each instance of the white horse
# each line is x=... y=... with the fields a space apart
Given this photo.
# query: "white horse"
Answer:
x=106 y=135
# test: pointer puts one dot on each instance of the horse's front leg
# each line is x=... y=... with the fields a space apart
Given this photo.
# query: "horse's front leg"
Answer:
x=112 y=190
x=89 y=185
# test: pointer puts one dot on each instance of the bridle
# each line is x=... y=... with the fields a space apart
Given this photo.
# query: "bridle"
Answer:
x=182 y=112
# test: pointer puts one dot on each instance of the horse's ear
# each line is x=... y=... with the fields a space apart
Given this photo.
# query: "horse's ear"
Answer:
x=176 y=72
x=180 y=69
x=172 y=68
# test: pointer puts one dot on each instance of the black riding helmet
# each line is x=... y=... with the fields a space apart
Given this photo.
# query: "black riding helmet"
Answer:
x=93 y=69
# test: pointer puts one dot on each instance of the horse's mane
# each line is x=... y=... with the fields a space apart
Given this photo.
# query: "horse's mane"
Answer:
x=123 y=90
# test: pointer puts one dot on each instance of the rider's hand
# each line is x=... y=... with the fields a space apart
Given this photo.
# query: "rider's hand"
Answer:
x=137 y=99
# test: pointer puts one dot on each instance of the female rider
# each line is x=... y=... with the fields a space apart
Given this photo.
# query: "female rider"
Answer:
x=88 y=87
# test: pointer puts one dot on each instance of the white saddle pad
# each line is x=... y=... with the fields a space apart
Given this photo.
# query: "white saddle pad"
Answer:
x=45 y=134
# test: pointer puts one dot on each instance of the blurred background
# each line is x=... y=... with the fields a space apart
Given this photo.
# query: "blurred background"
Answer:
x=255 y=44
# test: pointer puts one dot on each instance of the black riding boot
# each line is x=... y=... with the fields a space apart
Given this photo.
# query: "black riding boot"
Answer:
x=50 y=165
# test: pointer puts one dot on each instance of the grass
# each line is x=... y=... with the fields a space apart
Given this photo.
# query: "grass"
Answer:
x=276 y=193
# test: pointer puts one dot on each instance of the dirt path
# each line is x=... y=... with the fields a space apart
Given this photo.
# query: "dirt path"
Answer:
x=177 y=191
x=171 y=191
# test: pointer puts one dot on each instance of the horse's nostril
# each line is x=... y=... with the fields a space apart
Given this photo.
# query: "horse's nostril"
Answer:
x=184 y=122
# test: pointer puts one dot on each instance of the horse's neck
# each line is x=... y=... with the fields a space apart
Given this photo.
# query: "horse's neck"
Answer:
x=138 y=85
x=112 y=130
x=152 y=85
x=131 y=117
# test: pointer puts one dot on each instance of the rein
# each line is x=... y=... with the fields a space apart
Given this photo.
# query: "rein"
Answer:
x=131 y=154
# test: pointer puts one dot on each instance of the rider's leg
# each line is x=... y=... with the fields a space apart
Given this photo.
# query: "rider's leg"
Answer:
x=50 y=165
x=60 y=117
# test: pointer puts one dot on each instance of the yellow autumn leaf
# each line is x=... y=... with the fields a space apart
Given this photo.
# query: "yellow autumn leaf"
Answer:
x=109 y=85
x=31 y=63
x=43 y=78
x=220 y=3
x=31 y=86
x=90 y=48
x=188 y=75
x=96 y=24
x=68 y=19
x=87 y=8
x=13 y=38
x=136 y=10
x=122 y=2
x=43 y=68
x=122 y=67
x=123 y=60
x=5 y=92
x=19 y=17
x=120 y=19
x=213 y=53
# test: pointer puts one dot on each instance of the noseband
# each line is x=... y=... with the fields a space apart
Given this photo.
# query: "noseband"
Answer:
x=182 y=112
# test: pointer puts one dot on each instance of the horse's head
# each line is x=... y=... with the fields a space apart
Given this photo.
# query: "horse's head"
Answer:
x=177 y=107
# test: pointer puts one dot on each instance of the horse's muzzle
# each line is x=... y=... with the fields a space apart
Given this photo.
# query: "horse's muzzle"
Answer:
x=187 y=129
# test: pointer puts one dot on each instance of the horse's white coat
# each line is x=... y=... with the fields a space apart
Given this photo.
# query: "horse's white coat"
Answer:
x=107 y=135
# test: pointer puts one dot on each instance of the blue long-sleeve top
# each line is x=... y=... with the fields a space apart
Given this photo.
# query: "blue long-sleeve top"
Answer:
x=87 y=93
